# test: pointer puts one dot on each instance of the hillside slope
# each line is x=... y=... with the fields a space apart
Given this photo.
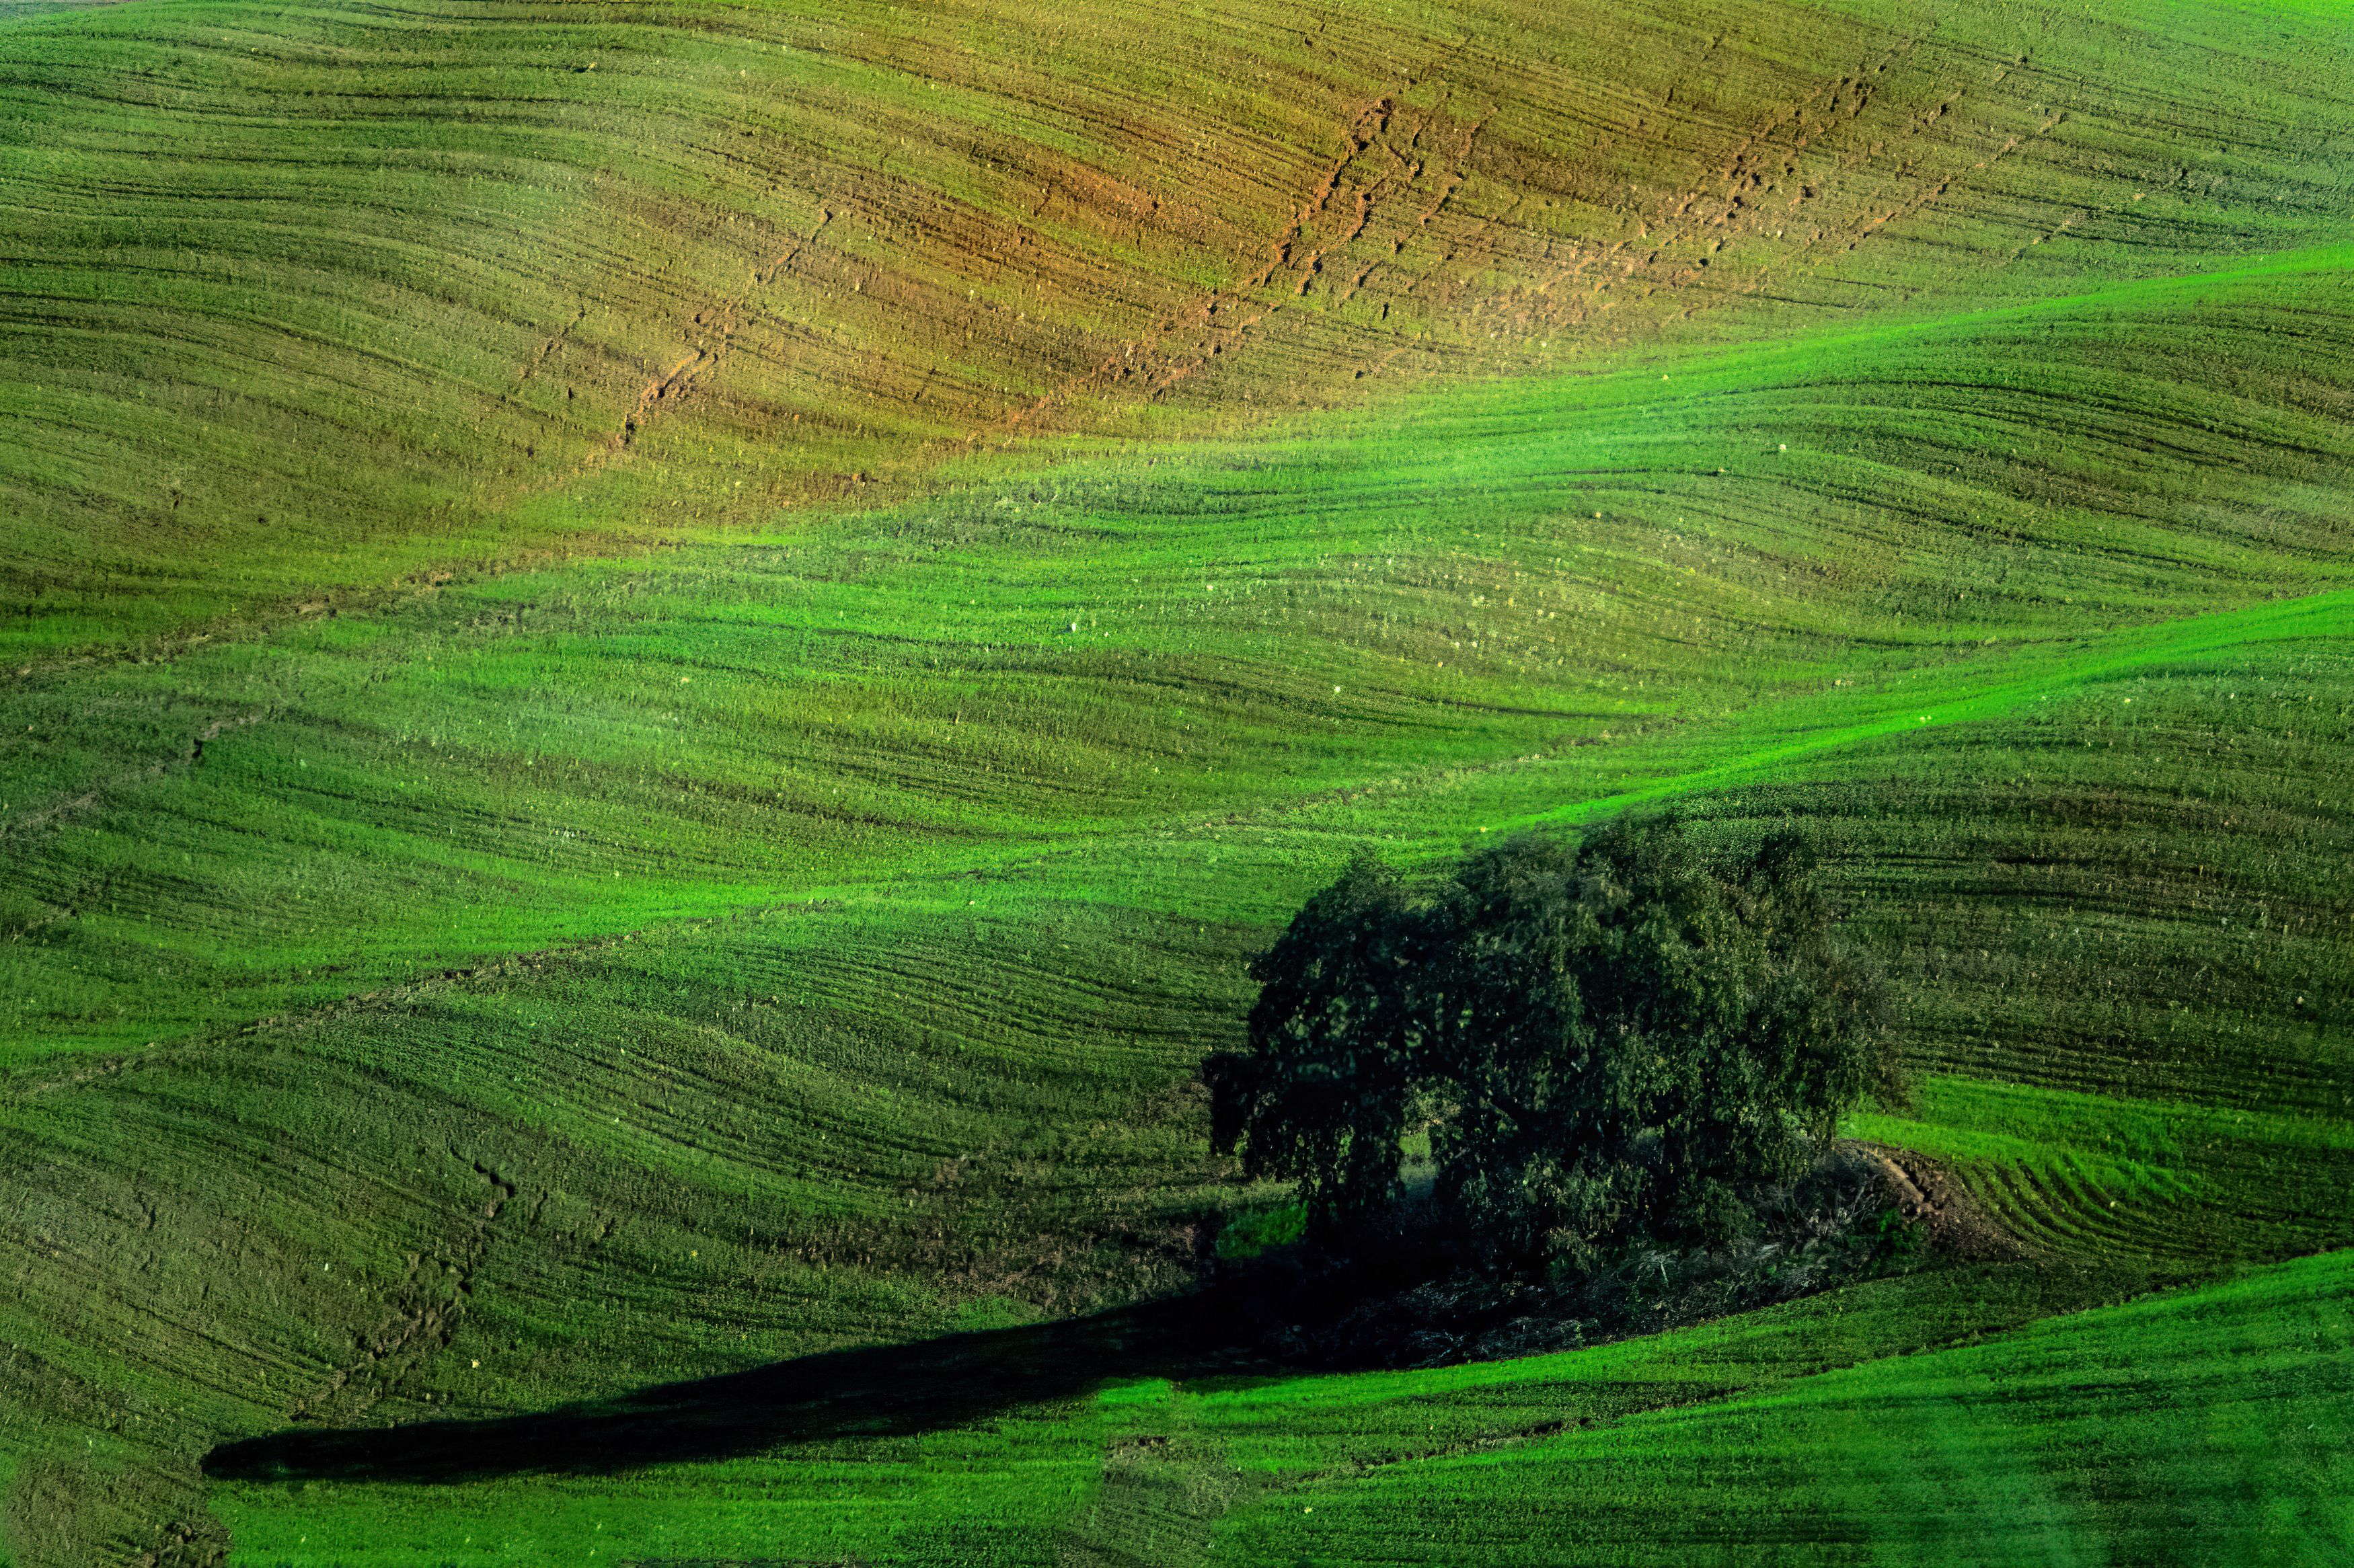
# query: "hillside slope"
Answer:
x=305 y=301
x=2207 y=1427
x=687 y=908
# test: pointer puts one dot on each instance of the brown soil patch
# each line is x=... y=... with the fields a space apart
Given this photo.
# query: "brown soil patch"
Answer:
x=1924 y=1191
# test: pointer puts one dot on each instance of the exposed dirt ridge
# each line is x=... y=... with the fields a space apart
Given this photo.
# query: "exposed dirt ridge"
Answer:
x=1926 y=1195
x=720 y=328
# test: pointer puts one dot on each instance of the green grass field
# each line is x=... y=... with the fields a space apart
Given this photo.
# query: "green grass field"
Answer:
x=662 y=662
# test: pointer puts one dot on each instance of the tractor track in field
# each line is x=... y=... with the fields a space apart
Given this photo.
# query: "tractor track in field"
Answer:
x=381 y=997
x=96 y=795
x=1763 y=164
x=1351 y=228
x=710 y=348
x=423 y=1317
x=547 y=350
x=1734 y=201
x=1327 y=225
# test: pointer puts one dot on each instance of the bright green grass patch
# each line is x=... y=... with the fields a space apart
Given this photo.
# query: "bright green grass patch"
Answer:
x=997 y=1498
x=2087 y=1174
x=1251 y=1232
x=2206 y=1425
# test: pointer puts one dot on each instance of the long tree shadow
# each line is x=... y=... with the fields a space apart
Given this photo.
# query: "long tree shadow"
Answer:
x=886 y=1391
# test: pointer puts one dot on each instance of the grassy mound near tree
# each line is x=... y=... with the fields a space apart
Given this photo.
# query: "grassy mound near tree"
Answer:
x=2199 y=1426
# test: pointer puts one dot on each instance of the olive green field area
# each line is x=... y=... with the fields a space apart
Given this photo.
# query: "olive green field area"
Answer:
x=660 y=662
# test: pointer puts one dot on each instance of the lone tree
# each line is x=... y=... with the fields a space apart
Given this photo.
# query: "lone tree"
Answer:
x=1621 y=1039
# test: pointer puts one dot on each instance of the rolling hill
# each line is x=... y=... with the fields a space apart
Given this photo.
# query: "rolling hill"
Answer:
x=664 y=659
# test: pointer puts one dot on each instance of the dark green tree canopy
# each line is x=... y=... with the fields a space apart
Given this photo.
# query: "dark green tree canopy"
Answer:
x=1622 y=1038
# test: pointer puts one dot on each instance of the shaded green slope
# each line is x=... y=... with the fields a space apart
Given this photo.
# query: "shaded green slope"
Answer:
x=2191 y=1426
